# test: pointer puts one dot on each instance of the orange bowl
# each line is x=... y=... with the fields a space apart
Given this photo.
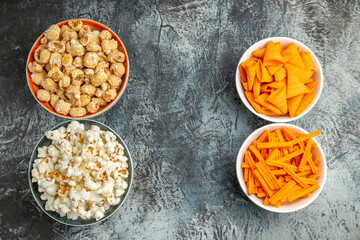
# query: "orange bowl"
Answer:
x=33 y=87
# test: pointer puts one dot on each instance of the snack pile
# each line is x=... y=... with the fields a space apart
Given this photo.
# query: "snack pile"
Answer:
x=280 y=166
x=77 y=69
x=82 y=173
x=278 y=81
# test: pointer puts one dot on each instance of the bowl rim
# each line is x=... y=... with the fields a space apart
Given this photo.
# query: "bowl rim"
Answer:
x=279 y=118
x=34 y=156
x=239 y=173
x=47 y=106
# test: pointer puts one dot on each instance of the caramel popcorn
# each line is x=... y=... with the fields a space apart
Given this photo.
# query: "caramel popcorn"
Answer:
x=78 y=69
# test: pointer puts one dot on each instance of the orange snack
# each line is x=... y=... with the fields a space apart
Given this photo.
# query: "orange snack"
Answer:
x=272 y=55
x=291 y=155
x=305 y=155
x=279 y=71
x=264 y=153
x=263 y=168
x=306 y=137
x=269 y=87
x=246 y=174
x=310 y=80
x=280 y=74
x=245 y=165
x=249 y=160
x=305 y=101
x=280 y=164
x=311 y=85
x=278 y=99
x=279 y=172
x=293 y=104
x=274 y=154
x=314 y=176
x=278 y=195
x=309 y=181
x=256 y=87
x=250 y=70
x=294 y=53
x=245 y=85
x=261 y=194
x=242 y=68
x=281 y=139
x=275 y=145
x=262 y=100
x=263 y=73
x=256 y=152
x=292 y=136
x=316 y=160
x=289 y=170
x=251 y=98
x=266 y=201
x=302 y=73
x=251 y=188
x=263 y=136
x=303 y=192
x=263 y=183
x=259 y=53
x=312 y=165
x=295 y=176
x=274 y=68
x=268 y=112
x=306 y=57
x=295 y=85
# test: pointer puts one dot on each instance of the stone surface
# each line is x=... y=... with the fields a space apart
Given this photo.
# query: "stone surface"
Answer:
x=183 y=120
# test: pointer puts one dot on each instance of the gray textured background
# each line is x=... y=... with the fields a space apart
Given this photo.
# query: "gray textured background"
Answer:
x=183 y=120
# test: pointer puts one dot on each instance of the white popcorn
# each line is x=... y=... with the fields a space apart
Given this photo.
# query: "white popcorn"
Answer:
x=90 y=184
x=42 y=152
x=72 y=183
x=55 y=135
x=69 y=172
x=108 y=187
x=122 y=158
x=49 y=203
x=99 y=214
x=75 y=127
x=82 y=173
x=119 y=192
x=110 y=147
x=110 y=137
x=53 y=151
x=42 y=168
x=124 y=165
x=124 y=185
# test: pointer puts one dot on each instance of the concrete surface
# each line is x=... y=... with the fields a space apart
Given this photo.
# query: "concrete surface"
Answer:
x=183 y=120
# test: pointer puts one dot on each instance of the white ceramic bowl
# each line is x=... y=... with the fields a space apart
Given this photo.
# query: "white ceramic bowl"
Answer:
x=318 y=75
x=286 y=206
